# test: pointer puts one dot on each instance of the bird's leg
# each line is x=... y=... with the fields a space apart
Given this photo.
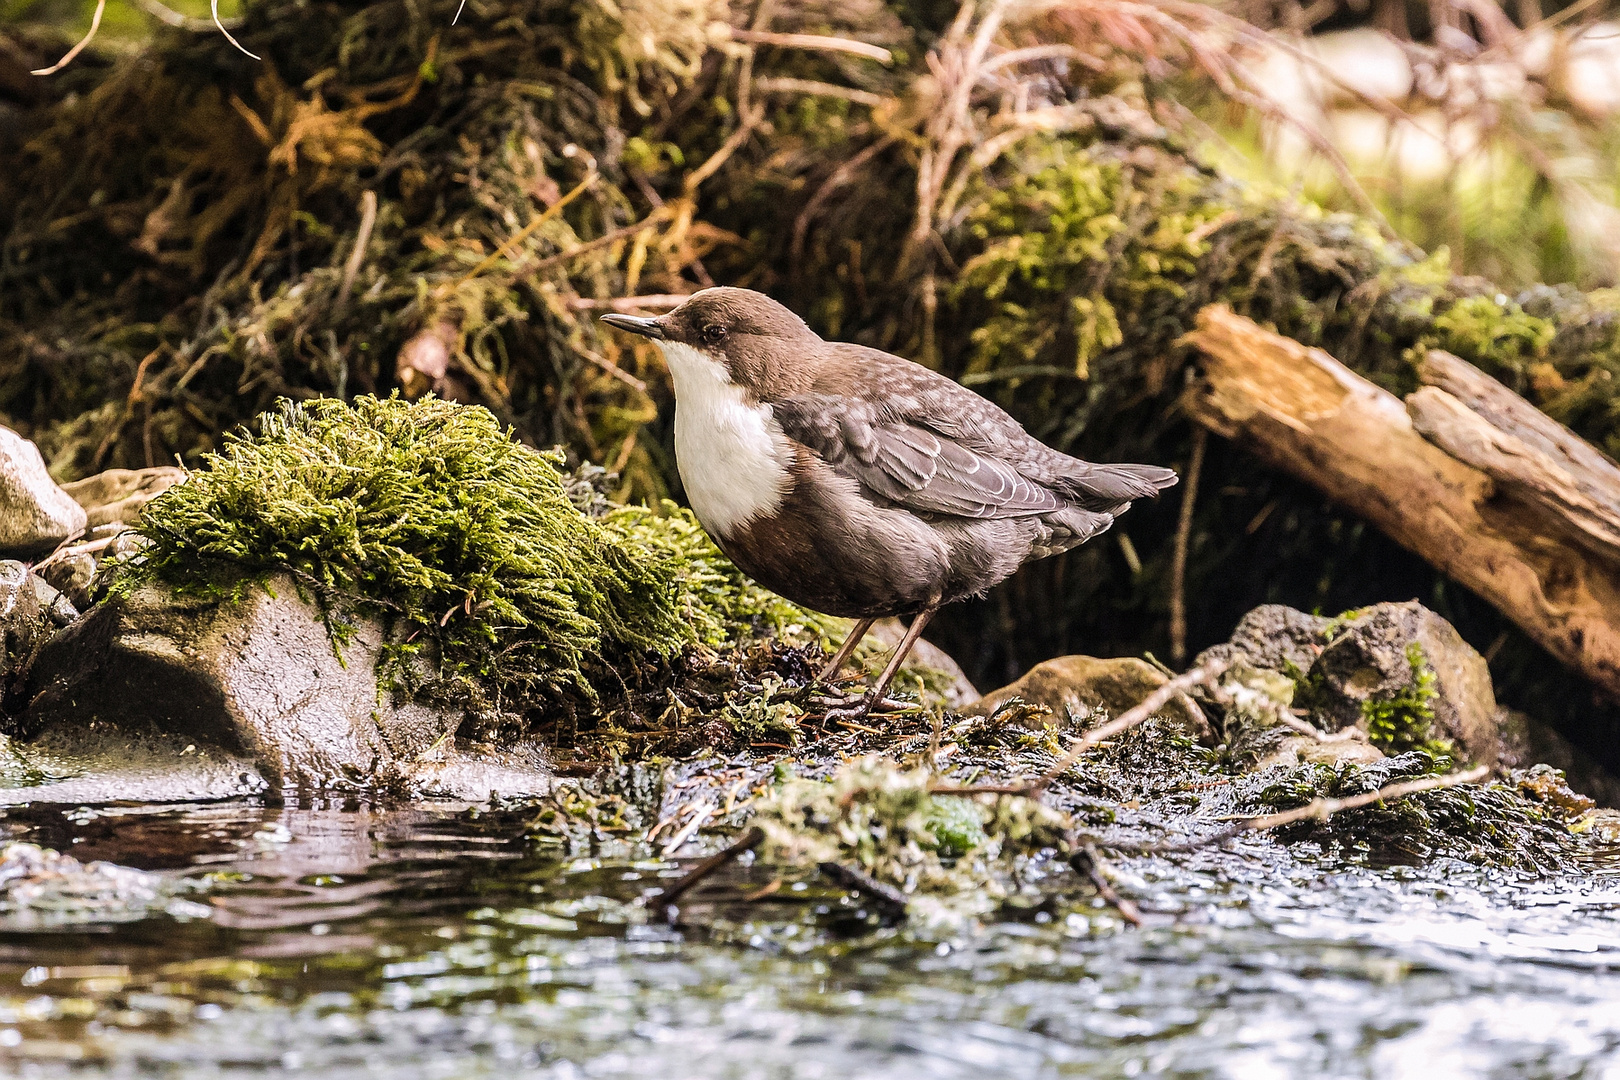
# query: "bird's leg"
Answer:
x=901 y=651
x=830 y=672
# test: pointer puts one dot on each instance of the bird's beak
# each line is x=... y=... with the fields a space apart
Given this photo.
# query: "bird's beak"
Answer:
x=637 y=324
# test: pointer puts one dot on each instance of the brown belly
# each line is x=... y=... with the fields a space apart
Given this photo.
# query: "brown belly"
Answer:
x=833 y=552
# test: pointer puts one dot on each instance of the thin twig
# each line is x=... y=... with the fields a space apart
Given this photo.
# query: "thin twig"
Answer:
x=507 y=248
x=623 y=231
x=840 y=176
x=1089 y=865
x=1178 y=562
x=1319 y=809
x=368 y=219
x=814 y=42
x=819 y=89
x=748 y=842
x=95 y=24
x=1041 y=52
x=630 y=303
x=165 y=14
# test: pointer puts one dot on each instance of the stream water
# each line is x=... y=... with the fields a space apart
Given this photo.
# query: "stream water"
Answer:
x=341 y=942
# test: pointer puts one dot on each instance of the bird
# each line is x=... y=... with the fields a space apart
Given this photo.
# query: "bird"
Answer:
x=857 y=483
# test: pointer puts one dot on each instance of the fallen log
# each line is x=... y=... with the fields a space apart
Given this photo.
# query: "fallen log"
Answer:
x=1463 y=473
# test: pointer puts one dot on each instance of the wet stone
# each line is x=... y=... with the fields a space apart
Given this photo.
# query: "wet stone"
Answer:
x=22 y=619
x=259 y=676
x=58 y=609
x=35 y=514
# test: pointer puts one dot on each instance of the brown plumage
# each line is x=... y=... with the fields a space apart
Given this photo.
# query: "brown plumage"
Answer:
x=858 y=483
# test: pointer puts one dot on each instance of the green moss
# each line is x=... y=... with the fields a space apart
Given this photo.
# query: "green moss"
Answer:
x=1065 y=245
x=1403 y=721
x=1493 y=333
x=432 y=515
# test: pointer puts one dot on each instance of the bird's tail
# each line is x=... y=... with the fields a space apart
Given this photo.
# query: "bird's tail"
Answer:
x=1102 y=486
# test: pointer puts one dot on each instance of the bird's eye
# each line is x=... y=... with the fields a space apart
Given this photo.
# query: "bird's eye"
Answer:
x=714 y=334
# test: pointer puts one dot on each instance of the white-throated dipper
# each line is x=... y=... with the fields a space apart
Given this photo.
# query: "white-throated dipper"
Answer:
x=857 y=483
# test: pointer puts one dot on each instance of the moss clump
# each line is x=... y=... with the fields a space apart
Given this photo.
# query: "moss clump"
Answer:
x=1403 y=721
x=1072 y=234
x=883 y=818
x=430 y=513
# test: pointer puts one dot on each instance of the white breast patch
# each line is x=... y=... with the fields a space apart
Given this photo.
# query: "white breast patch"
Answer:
x=733 y=456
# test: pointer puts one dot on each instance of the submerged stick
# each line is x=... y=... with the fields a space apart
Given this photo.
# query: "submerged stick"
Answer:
x=890 y=902
x=748 y=842
x=1089 y=865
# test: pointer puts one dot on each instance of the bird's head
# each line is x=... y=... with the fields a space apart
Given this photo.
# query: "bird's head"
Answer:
x=756 y=341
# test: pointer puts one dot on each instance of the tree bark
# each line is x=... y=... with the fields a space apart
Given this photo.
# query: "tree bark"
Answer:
x=1463 y=473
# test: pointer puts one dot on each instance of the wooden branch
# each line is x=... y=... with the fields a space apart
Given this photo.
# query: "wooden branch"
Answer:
x=1476 y=419
x=1491 y=501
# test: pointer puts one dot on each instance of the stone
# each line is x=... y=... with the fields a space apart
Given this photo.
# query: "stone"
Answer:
x=35 y=514
x=1080 y=686
x=118 y=495
x=58 y=609
x=1274 y=637
x=960 y=692
x=258 y=678
x=1379 y=653
x=21 y=620
x=72 y=577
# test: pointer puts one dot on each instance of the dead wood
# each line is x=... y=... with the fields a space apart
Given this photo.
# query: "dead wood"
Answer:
x=1510 y=504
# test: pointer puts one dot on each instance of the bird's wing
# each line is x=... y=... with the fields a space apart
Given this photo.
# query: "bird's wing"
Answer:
x=912 y=394
x=908 y=463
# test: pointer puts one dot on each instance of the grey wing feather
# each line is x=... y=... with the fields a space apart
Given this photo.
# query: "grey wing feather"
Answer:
x=922 y=398
x=909 y=464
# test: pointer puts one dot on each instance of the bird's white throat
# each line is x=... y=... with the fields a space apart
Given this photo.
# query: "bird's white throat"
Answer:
x=732 y=454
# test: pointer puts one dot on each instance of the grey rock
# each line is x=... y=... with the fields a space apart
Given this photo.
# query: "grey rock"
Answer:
x=41 y=888
x=72 y=577
x=56 y=607
x=1375 y=656
x=118 y=495
x=22 y=621
x=35 y=514
x=1274 y=637
x=257 y=677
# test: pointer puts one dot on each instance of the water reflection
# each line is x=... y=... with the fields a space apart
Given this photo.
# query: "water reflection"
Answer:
x=354 y=942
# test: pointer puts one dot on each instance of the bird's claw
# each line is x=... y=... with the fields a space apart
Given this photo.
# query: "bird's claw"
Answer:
x=857 y=711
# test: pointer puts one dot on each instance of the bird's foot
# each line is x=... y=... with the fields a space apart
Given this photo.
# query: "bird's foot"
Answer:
x=858 y=709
